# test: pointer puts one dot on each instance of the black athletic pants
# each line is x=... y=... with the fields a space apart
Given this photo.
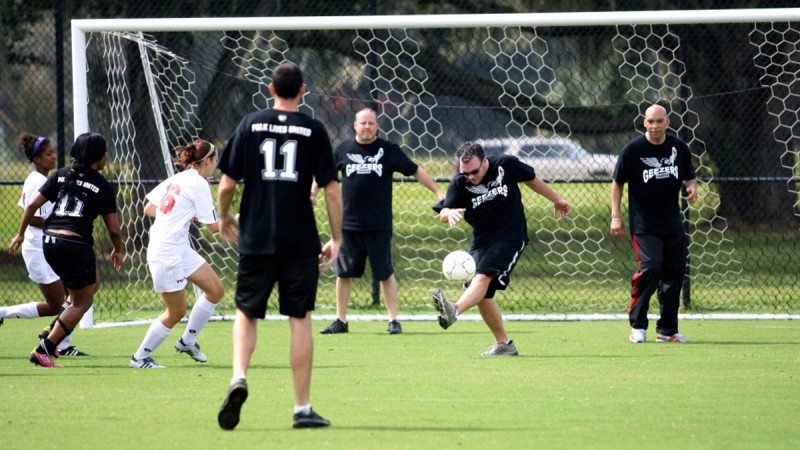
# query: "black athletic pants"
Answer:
x=662 y=263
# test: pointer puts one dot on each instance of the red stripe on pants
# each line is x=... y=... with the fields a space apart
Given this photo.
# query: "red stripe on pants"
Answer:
x=635 y=277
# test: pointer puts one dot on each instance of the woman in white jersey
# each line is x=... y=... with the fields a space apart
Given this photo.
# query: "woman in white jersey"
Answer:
x=39 y=151
x=176 y=203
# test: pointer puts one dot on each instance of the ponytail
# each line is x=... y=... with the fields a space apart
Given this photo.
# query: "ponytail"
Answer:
x=194 y=152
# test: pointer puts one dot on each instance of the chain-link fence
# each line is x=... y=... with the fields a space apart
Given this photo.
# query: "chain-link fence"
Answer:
x=564 y=99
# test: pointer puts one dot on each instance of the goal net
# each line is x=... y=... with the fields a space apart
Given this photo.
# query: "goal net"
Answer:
x=563 y=92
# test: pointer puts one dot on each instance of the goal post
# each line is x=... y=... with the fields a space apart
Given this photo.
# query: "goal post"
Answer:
x=563 y=91
x=80 y=27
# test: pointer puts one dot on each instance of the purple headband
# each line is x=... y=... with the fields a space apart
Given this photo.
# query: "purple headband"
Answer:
x=37 y=145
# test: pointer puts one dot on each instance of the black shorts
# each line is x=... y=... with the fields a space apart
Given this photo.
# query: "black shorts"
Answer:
x=296 y=276
x=72 y=259
x=356 y=245
x=497 y=261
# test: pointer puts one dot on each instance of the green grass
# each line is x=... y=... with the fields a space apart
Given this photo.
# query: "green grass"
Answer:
x=748 y=271
x=575 y=385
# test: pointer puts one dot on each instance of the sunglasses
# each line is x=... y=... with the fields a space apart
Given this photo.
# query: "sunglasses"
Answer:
x=474 y=172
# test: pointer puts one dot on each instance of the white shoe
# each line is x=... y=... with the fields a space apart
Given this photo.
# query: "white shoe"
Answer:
x=675 y=338
x=191 y=350
x=448 y=314
x=145 y=363
x=637 y=336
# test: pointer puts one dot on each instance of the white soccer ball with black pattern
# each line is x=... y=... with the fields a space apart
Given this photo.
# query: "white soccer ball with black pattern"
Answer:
x=458 y=266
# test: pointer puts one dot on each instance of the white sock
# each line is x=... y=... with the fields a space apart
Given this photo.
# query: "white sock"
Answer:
x=155 y=335
x=201 y=312
x=22 y=311
x=305 y=409
x=237 y=378
x=65 y=343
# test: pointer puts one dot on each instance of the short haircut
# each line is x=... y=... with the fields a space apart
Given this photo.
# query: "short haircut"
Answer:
x=469 y=150
x=287 y=79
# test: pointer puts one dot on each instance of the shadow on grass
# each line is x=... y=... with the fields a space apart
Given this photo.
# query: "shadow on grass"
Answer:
x=411 y=428
x=761 y=343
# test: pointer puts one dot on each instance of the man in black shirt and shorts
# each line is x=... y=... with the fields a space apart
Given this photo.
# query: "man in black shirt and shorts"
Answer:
x=276 y=153
x=367 y=164
x=485 y=192
x=655 y=166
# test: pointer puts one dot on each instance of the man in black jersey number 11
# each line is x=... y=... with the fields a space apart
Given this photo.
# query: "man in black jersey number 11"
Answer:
x=277 y=153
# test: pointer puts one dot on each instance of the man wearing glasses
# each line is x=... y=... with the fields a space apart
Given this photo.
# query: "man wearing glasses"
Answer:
x=486 y=194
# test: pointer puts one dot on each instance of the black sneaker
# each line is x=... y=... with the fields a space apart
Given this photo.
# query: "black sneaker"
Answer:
x=310 y=420
x=228 y=416
x=1 y=322
x=394 y=327
x=336 y=327
x=71 y=351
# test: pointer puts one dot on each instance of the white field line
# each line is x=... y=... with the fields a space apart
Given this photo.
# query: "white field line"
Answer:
x=508 y=317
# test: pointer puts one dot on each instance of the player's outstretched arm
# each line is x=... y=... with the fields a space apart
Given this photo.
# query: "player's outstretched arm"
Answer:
x=691 y=190
x=333 y=204
x=118 y=252
x=617 y=228
x=27 y=216
x=426 y=180
x=451 y=216
x=227 y=223
x=561 y=206
x=149 y=209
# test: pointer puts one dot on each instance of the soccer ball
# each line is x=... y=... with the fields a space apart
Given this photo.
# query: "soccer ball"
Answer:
x=458 y=266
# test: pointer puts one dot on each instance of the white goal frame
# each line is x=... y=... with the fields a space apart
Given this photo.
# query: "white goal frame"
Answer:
x=82 y=26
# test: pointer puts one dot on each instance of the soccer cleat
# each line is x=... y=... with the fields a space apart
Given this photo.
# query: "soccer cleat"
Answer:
x=637 y=336
x=191 y=350
x=42 y=360
x=1 y=322
x=228 y=416
x=501 y=349
x=71 y=351
x=675 y=338
x=394 y=327
x=310 y=420
x=145 y=363
x=336 y=327
x=448 y=311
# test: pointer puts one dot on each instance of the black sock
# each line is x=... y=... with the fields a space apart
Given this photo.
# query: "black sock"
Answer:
x=46 y=347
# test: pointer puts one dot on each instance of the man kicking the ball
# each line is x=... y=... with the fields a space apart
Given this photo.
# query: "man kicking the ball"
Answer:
x=486 y=194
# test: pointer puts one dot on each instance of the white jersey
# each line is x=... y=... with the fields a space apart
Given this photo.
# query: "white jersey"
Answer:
x=33 y=235
x=179 y=200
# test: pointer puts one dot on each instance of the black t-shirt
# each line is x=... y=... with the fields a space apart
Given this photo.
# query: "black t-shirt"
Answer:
x=92 y=196
x=494 y=207
x=655 y=174
x=277 y=154
x=367 y=181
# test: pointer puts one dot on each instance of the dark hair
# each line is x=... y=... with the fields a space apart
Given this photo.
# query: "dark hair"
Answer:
x=197 y=150
x=287 y=79
x=87 y=149
x=468 y=150
x=32 y=145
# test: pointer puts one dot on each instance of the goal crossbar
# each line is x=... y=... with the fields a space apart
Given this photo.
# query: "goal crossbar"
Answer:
x=80 y=27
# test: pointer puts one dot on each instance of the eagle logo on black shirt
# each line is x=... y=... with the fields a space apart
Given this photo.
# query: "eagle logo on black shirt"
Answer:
x=365 y=164
x=484 y=193
x=661 y=168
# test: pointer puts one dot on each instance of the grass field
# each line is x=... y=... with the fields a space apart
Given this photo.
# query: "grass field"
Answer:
x=759 y=275
x=575 y=385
